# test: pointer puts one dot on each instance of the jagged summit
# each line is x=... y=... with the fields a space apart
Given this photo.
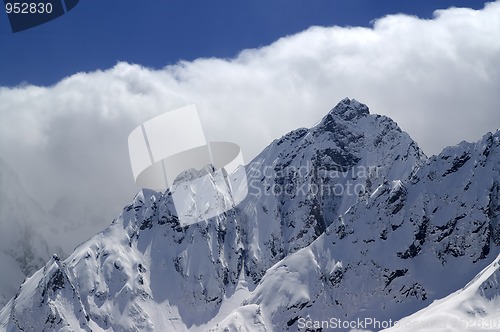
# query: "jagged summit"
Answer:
x=349 y=110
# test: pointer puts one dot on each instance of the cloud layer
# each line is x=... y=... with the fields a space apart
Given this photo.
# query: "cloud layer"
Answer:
x=439 y=79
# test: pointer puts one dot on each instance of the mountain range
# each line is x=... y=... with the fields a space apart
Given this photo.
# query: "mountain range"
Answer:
x=347 y=225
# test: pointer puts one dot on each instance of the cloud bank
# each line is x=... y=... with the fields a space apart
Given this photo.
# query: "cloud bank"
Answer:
x=439 y=79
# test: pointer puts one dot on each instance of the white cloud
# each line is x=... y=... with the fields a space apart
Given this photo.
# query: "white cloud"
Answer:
x=439 y=79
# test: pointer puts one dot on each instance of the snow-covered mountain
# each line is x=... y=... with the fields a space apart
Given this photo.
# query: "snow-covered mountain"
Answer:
x=343 y=221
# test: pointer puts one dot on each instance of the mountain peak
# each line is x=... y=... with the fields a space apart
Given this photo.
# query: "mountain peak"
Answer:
x=349 y=110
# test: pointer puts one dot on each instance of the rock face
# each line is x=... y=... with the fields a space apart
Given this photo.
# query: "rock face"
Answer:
x=345 y=220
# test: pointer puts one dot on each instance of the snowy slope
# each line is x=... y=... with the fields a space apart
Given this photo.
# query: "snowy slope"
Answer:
x=475 y=307
x=347 y=219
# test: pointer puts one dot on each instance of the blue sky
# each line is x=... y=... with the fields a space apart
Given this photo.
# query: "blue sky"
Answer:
x=97 y=34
